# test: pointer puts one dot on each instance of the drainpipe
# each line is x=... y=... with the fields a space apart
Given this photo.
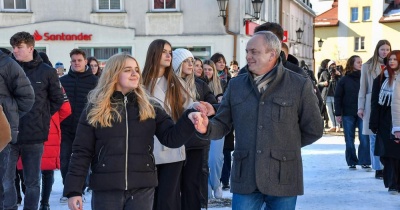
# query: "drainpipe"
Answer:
x=231 y=33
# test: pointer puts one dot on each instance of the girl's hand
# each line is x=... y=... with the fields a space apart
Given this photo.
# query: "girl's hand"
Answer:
x=75 y=203
x=200 y=121
x=210 y=108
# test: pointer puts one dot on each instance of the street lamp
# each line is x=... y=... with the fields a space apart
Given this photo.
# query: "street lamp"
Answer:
x=320 y=42
x=257 y=9
x=299 y=34
x=222 y=9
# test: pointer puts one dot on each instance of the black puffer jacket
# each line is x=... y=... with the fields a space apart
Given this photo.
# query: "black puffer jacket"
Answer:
x=204 y=94
x=16 y=93
x=121 y=156
x=77 y=86
x=346 y=94
x=34 y=126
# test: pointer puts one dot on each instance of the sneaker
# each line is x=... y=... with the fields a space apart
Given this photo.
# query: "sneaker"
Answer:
x=393 y=191
x=366 y=167
x=64 y=200
x=378 y=174
x=226 y=187
x=352 y=167
x=218 y=192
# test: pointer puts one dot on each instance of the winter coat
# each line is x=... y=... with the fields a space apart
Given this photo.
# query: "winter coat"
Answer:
x=332 y=82
x=34 y=126
x=380 y=122
x=346 y=94
x=162 y=153
x=5 y=134
x=364 y=95
x=51 y=152
x=77 y=86
x=204 y=94
x=16 y=93
x=396 y=105
x=121 y=156
x=270 y=130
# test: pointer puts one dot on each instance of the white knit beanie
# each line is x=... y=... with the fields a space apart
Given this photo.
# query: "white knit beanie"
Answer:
x=178 y=56
x=330 y=63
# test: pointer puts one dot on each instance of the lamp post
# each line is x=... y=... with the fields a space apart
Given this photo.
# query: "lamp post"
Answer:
x=299 y=35
x=222 y=9
x=320 y=42
x=257 y=9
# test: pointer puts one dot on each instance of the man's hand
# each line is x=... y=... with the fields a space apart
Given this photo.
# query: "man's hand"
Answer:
x=200 y=121
x=360 y=113
x=210 y=108
x=200 y=107
x=75 y=203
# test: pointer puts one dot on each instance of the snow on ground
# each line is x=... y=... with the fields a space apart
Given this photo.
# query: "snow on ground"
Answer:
x=328 y=183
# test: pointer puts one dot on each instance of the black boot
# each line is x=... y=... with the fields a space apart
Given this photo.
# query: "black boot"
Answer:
x=379 y=174
x=44 y=206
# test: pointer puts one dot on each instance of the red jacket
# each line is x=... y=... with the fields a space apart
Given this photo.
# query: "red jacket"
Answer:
x=51 y=153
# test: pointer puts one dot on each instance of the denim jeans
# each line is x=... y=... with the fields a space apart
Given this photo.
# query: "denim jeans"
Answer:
x=375 y=161
x=255 y=200
x=226 y=168
x=138 y=199
x=47 y=185
x=31 y=156
x=215 y=163
x=3 y=168
x=349 y=125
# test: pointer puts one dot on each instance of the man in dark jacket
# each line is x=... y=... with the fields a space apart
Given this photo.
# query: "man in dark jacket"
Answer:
x=17 y=98
x=77 y=84
x=34 y=125
x=274 y=113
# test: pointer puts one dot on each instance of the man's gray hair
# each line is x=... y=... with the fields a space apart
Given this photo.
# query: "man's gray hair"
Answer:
x=271 y=41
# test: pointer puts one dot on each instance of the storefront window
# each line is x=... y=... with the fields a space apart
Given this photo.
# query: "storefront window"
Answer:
x=14 y=4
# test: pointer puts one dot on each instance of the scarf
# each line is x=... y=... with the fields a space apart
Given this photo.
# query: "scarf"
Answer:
x=385 y=94
x=262 y=81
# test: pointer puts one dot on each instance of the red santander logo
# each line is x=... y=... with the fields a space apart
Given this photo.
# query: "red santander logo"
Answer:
x=61 y=37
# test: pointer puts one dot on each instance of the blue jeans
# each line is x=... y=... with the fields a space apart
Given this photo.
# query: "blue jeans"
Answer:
x=3 y=168
x=375 y=160
x=255 y=201
x=226 y=169
x=349 y=125
x=215 y=163
x=138 y=199
x=31 y=156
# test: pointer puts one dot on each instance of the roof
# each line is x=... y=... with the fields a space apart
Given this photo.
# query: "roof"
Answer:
x=328 y=18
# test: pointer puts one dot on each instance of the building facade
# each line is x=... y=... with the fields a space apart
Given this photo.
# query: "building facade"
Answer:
x=105 y=27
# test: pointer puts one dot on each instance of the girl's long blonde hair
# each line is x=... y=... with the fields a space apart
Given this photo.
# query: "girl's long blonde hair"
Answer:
x=214 y=83
x=103 y=112
x=374 y=60
x=190 y=82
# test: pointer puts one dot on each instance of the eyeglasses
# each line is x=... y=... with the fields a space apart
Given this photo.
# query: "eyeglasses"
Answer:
x=189 y=60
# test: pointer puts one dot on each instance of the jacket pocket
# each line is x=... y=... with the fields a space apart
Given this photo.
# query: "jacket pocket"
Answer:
x=283 y=167
x=281 y=110
x=238 y=172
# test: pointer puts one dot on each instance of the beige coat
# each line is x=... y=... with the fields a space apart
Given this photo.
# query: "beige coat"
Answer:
x=162 y=153
x=364 y=94
x=396 y=105
x=5 y=131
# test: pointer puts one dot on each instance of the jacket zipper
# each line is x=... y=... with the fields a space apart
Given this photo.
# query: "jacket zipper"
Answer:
x=126 y=144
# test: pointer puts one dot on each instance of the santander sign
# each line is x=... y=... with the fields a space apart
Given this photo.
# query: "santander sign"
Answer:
x=61 y=37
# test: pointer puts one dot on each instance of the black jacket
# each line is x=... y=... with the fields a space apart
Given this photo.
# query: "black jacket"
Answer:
x=77 y=86
x=204 y=94
x=34 y=126
x=16 y=93
x=346 y=94
x=121 y=156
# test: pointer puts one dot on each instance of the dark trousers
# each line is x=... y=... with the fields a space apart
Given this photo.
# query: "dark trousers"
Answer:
x=31 y=156
x=205 y=171
x=138 y=199
x=191 y=185
x=391 y=172
x=67 y=139
x=19 y=184
x=3 y=167
x=226 y=168
x=47 y=185
x=167 y=193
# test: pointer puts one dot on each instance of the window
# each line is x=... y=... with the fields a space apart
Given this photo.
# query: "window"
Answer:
x=354 y=14
x=110 y=5
x=359 y=43
x=162 y=5
x=14 y=4
x=104 y=53
x=366 y=13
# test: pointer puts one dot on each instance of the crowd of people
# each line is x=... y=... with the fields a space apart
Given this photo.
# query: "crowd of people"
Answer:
x=180 y=130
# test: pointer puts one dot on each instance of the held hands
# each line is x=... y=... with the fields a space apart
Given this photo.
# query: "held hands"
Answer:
x=210 y=108
x=75 y=203
x=204 y=107
x=360 y=113
x=200 y=121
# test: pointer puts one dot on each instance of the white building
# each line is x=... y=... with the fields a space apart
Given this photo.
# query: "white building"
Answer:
x=105 y=27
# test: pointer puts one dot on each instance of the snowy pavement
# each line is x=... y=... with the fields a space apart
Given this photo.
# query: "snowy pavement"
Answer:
x=328 y=183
